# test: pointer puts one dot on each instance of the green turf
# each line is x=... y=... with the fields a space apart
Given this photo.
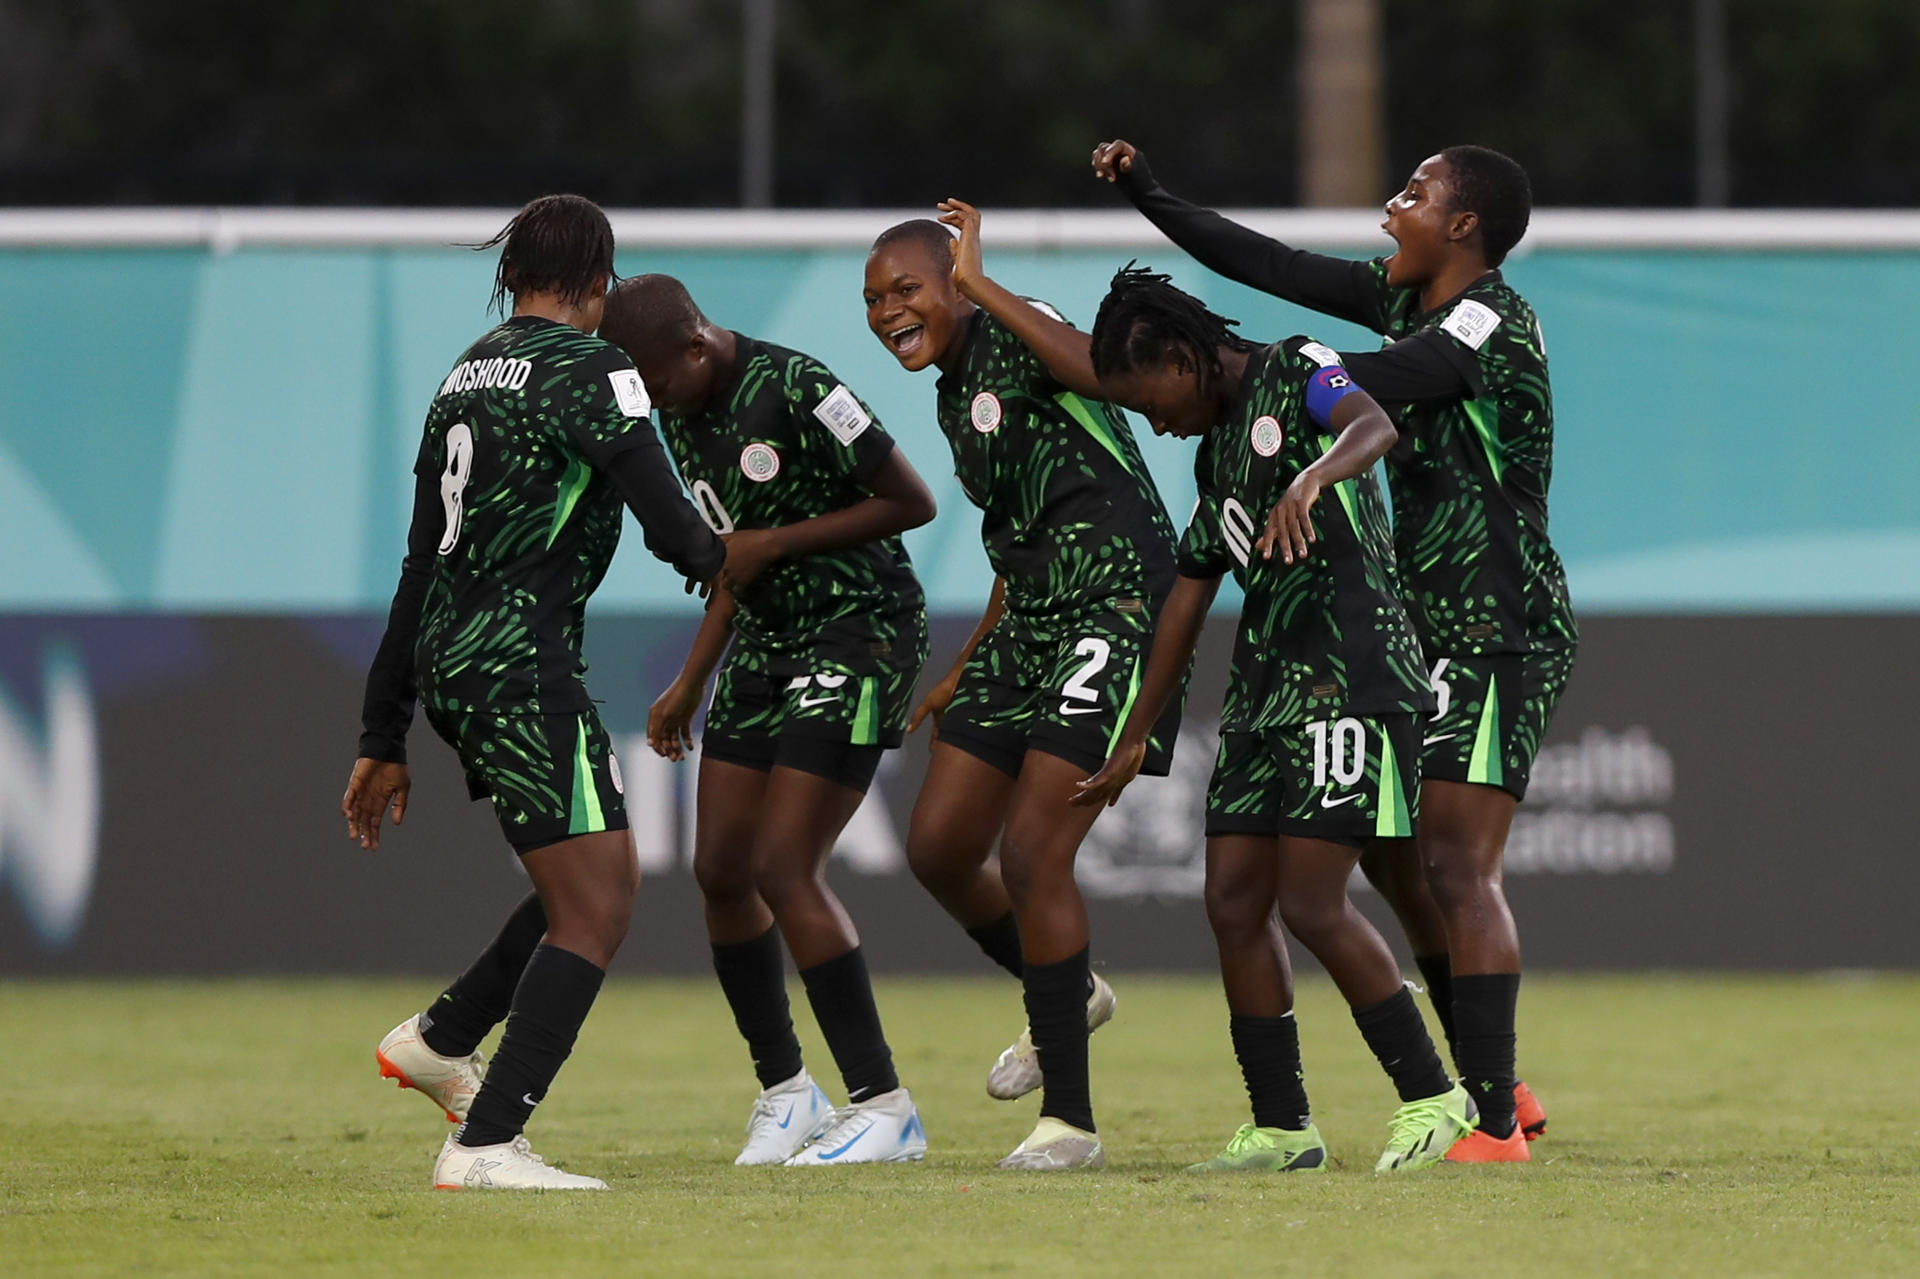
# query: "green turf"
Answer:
x=1701 y=1126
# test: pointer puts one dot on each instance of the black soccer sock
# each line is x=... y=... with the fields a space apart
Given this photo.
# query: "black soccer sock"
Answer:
x=1056 y=997
x=479 y=998
x=753 y=978
x=1397 y=1036
x=1484 y=1004
x=842 y=999
x=553 y=998
x=1437 y=972
x=1001 y=942
x=1269 y=1053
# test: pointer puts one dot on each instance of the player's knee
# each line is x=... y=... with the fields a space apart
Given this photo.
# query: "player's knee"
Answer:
x=938 y=864
x=723 y=879
x=1234 y=915
x=779 y=878
x=1456 y=877
x=1314 y=919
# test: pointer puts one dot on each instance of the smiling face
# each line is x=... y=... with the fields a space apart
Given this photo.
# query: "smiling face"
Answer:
x=1168 y=395
x=1423 y=222
x=911 y=303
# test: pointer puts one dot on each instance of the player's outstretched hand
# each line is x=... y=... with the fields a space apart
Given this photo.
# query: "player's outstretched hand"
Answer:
x=670 y=721
x=965 y=219
x=1290 y=522
x=749 y=552
x=1104 y=787
x=375 y=786
x=935 y=702
x=1111 y=159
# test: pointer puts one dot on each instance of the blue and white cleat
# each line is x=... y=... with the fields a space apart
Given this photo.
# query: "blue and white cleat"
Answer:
x=881 y=1130
x=785 y=1118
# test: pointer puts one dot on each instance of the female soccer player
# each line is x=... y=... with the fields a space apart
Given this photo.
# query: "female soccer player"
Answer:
x=1082 y=554
x=1486 y=591
x=533 y=442
x=1320 y=732
x=829 y=632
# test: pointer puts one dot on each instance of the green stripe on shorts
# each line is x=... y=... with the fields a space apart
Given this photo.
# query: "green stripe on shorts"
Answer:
x=585 y=816
x=1487 y=767
x=1390 y=810
x=866 y=716
x=1126 y=707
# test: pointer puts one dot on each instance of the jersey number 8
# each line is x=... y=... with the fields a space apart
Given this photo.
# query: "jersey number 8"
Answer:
x=453 y=483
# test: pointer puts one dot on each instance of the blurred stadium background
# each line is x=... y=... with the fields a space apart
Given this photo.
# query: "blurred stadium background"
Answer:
x=230 y=286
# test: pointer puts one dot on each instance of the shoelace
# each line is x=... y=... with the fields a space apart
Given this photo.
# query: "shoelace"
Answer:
x=762 y=1113
x=524 y=1149
x=1245 y=1139
x=843 y=1117
x=1411 y=1120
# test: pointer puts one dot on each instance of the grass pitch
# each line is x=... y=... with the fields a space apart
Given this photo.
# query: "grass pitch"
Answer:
x=1700 y=1126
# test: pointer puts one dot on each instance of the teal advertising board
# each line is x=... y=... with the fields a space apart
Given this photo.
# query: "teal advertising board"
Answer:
x=183 y=430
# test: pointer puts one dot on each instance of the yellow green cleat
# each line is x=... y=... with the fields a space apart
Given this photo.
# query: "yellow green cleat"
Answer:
x=1255 y=1149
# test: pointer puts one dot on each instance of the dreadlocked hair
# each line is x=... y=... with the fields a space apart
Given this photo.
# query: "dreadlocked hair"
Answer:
x=558 y=244
x=1144 y=322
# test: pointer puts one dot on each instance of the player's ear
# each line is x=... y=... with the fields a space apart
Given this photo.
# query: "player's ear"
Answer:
x=1462 y=225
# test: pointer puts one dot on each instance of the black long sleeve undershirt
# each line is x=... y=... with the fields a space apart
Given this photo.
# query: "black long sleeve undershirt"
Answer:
x=669 y=525
x=1422 y=367
x=387 y=711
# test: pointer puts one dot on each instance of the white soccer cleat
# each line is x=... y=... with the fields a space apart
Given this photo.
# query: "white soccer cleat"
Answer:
x=451 y=1082
x=785 y=1118
x=1017 y=1070
x=511 y=1165
x=881 y=1130
x=1056 y=1147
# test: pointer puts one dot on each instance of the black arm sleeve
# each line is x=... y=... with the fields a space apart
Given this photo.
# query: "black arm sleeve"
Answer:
x=673 y=530
x=1429 y=365
x=1340 y=287
x=387 y=711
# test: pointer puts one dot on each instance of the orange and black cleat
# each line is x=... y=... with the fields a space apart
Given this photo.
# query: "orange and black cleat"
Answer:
x=1528 y=1113
x=1482 y=1147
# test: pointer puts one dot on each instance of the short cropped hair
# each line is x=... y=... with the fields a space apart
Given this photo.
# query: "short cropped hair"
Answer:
x=1494 y=187
x=649 y=315
x=925 y=232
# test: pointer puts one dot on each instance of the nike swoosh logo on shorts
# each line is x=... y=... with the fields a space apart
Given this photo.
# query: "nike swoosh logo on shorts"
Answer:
x=819 y=701
x=1443 y=737
x=1327 y=801
x=1068 y=708
x=526 y=1098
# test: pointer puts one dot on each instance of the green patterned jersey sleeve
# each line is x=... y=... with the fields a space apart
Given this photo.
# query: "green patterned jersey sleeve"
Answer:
x=1015 y=360
x=1203 y=552
x=836 y=428
x=605 y=409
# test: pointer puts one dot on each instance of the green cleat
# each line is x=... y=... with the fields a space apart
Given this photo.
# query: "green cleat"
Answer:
x=1269 y=1150
x=1423 y=1131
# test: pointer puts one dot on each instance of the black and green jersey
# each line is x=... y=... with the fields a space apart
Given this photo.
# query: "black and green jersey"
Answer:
x=1325 y=637
x=1470 y=498
x=1071 y=518
x=786 y=442
x=517 y=439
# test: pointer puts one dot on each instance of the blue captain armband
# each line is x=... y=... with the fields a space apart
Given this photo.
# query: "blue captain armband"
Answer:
x=1329 y=385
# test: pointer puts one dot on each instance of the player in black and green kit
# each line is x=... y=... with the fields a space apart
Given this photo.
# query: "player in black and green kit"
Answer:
x=1083 y=554
x=535 y=440
x=1320 y=734
x=829 y=632
x=1466 y=369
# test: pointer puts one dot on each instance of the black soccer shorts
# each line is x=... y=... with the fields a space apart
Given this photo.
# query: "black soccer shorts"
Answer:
x=1345 y=780
x=1493 y=711
x=550 y=777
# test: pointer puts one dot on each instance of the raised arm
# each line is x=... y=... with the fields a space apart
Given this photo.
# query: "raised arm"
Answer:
x=1339 y=287
x=380 y=780
x=1065 y=350
x=1176 y=633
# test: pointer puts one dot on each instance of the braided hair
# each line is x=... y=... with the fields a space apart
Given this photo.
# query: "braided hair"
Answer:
x=1144 y=322
x=557 y=244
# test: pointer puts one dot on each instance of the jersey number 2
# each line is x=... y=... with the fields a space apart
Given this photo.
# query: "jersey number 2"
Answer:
x=453 y=483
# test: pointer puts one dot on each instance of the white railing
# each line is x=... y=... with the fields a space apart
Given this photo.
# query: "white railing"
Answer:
x=226 y=229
